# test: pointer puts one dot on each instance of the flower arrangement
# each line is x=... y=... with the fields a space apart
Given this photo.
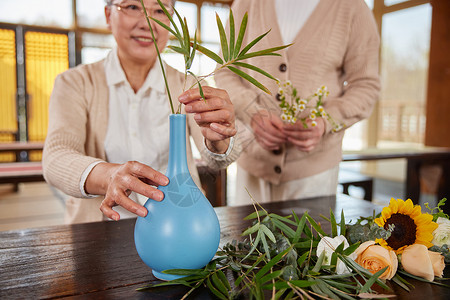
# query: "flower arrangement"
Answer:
x=292 y=256
x=292 y=105
x=233 y=52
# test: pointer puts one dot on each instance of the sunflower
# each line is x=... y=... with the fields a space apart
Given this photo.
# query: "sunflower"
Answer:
x=411 y=226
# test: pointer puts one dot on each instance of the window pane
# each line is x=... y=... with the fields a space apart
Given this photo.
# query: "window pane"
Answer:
x=42 y=12
x=95 y=46
x=210 y=33
x=404 y=68
x=188 y=11
x=91 y=13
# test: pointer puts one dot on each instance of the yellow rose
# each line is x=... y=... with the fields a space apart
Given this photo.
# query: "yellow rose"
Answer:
x=419 y=261
x=374 y=258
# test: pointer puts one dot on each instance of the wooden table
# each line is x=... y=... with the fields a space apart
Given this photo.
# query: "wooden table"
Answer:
x=99 y=260
x=416 y=158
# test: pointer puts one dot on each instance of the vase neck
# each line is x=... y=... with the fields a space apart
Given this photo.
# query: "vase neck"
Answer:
x=177 y=148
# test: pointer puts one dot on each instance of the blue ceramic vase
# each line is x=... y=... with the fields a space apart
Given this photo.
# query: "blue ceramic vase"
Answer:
x=182 y=231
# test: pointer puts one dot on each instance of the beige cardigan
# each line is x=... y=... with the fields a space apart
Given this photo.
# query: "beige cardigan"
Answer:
x=338 y=47
x=78 y=120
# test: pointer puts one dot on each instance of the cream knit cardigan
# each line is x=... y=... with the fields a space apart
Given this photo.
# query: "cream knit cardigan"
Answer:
x=78 y=121
x=338 y=46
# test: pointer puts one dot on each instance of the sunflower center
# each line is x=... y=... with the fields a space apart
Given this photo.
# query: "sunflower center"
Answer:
x=404 y=231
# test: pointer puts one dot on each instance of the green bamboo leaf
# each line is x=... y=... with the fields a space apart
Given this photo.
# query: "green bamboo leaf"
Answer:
x=324 y=287
x=214 y=290
x=178 y=49
x=255 y=244
x=264 y=52
x=268 y=233
x=351 y=248
x=283 y=219
x=339 y=249
x=180 y=20
x=343 y=229
x=302 y=258
x=192 y=56
x=251 y=230
x=257 y=262
x=210 y=54
x=185 y=272
x=271 y=263
x=265 y=246
x=299 y=231
x=270 y=276
x=284 y=284
x=279 y=294
x=255 y=215
x=240 y=37
x=319 y=262
x=251 y=44
x=315 y=225
x=200 y=90
x=250 y=79
x=219 y=284
x=224 y=279
x=162 y=24
x=372 y=280
x=186 y=36
x=166 y=12
x=333 y=224
x=231 y=43
x=283 y=227
x=401 y=282
x=223 y=38
x=333 y=261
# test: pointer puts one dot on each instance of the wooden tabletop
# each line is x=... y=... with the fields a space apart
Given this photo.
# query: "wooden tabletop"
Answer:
x=99 y=260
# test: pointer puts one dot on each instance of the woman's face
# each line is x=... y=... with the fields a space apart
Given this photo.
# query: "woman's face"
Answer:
x=129 y=27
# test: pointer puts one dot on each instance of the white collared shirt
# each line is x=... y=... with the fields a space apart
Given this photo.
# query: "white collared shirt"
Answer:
x=292 y=15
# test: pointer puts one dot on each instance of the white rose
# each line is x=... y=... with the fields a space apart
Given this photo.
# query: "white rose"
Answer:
x=441 y=235
x=328 y=245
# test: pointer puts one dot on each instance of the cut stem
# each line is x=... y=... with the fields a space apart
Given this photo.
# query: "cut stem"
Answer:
x=159 y=57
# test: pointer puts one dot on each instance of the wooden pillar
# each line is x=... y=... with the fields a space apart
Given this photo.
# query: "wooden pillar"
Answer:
x=437 y=131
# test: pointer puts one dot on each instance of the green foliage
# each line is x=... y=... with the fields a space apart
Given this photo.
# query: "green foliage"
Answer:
x=277 y=257
x=437 y=211
x=232 y=52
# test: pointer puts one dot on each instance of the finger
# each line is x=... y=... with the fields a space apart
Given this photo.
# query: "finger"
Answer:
x=109 y=212
x=135 y=184
x=270 y=135
x=198 y=106
x=216 y=116
x=143 y=171
x=208 y=92
x=224 y=130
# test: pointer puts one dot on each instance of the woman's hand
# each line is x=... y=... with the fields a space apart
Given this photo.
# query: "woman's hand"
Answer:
x=305 y=139
x=267 y=128
x=117 y=181
x=214 y=114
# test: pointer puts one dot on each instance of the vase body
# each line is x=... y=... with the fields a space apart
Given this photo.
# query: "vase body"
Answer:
x=182 y=231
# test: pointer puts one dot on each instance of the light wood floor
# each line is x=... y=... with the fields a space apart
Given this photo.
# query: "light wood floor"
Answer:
x=34 y=205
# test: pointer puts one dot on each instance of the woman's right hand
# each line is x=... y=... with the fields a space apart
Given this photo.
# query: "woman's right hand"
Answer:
x=117 y=181
x=267 y=128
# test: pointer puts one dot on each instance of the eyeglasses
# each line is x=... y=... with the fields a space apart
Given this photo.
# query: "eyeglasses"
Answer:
x=136 y=11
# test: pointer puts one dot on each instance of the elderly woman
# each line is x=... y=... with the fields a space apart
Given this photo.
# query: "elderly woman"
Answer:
x=108 y=136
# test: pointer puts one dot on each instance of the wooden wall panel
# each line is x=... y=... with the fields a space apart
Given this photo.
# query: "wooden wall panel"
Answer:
x=437 y=131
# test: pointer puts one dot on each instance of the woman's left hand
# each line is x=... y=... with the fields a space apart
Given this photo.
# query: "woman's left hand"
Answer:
x=214 y=114
x=305 y=139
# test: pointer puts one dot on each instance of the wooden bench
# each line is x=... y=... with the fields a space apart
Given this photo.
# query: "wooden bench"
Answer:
x=18 y=172
x=349 y=178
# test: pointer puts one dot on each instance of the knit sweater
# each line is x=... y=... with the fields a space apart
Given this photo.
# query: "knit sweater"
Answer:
x=338 y=46
x=78 y=121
